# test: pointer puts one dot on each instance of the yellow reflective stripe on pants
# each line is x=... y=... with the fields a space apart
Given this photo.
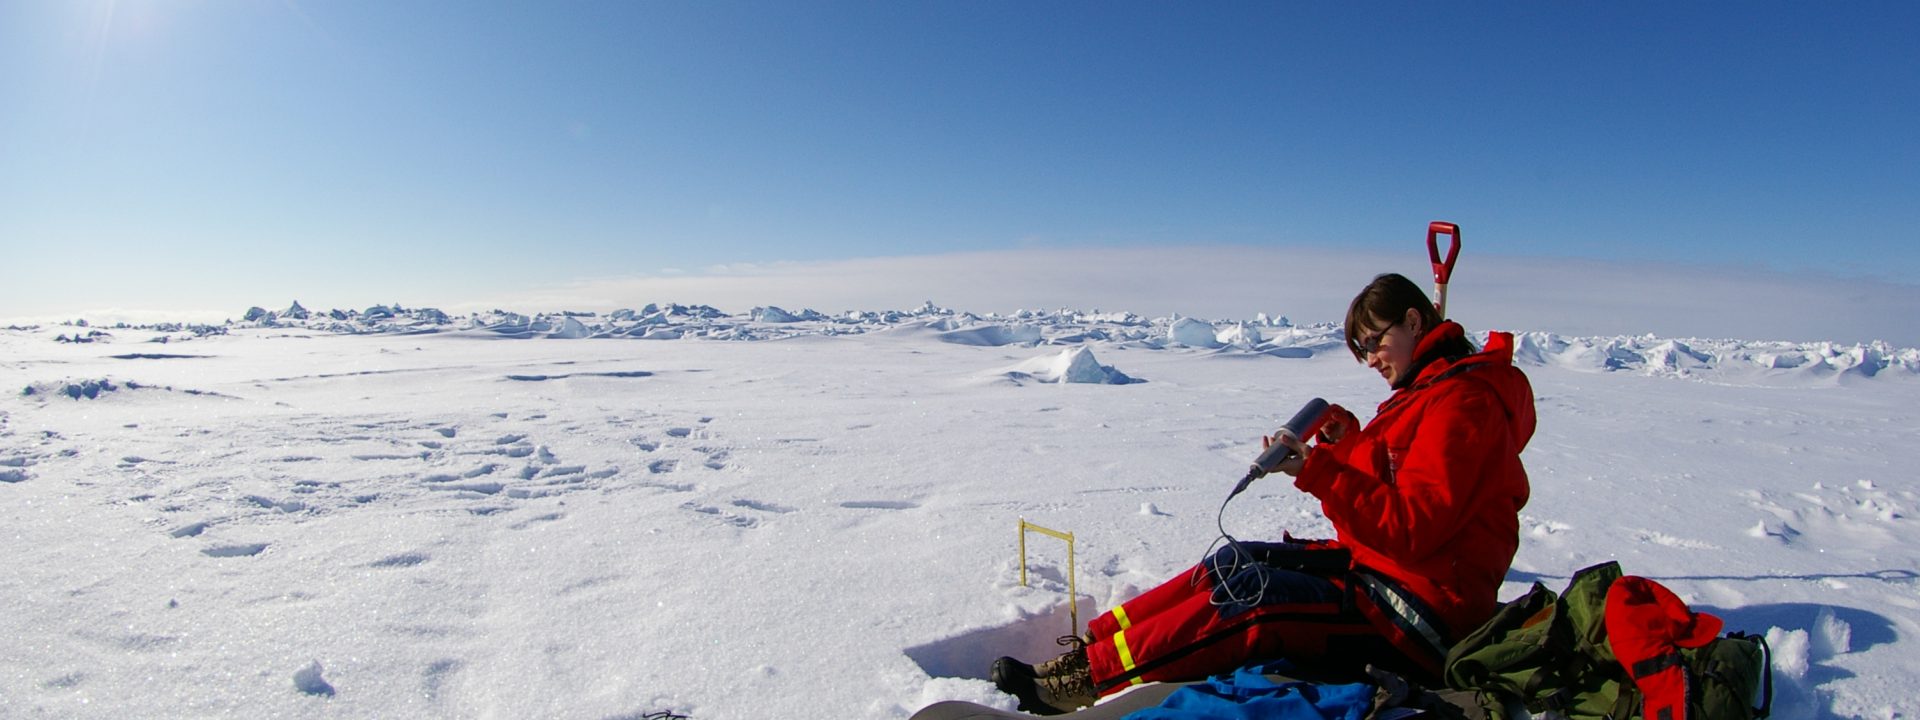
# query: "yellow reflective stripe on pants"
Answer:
x=1126 y=656
x=1120 y=642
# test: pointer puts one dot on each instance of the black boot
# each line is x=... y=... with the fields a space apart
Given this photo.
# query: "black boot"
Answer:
x=1056 y=687
x=1007 y=670
x=1017 y=679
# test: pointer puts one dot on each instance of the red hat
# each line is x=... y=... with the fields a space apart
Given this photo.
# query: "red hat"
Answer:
x=1646 y=626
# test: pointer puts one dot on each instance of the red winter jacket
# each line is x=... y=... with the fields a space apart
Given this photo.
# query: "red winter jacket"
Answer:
x=1429 y=493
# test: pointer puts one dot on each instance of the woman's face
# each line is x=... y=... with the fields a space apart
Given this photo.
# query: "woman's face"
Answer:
x=1392 y=346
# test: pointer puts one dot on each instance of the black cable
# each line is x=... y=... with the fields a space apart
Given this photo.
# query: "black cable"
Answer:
x=1239 y=560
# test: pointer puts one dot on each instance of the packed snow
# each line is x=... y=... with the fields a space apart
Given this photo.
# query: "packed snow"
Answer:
x=398 y=512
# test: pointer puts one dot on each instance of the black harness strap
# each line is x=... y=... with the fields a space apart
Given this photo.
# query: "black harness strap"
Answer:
x=1655 y=664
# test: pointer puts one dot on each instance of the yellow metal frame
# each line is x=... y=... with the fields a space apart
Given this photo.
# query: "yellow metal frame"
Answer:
x=1073 y=589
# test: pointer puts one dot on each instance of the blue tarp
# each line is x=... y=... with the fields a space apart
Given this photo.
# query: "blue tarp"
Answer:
x=1248 y=694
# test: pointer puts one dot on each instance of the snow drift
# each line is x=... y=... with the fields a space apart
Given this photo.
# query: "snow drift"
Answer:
x=1074 y=365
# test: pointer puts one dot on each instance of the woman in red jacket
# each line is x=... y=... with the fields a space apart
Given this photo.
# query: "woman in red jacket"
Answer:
x=1424 y=500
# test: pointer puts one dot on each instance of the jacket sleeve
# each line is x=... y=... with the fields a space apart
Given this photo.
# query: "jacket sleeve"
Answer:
x=1409 y=513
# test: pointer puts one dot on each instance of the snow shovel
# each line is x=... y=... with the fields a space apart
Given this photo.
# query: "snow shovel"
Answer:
x=1442 y=270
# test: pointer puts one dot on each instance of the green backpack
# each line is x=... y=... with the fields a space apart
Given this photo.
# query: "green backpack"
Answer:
x=1549 y=654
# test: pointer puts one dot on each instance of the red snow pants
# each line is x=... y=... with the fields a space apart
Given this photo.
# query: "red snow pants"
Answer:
x=1250 y=602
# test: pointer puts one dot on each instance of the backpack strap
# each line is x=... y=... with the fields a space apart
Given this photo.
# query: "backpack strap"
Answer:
x=1766 y=673
x=1536 y=702
x=1655 y=664
x=1766 y=669
x=1555 y=661
x=1556 y=664
x=1626 y=704
x=1424 y=636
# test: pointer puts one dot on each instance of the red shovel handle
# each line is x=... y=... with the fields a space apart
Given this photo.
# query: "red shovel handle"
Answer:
x=1442 y=269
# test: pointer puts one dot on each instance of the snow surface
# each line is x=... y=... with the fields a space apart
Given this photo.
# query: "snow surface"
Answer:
x=397 y=513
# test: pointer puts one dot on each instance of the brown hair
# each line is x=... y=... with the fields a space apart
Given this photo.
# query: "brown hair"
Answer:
x=1388 y=298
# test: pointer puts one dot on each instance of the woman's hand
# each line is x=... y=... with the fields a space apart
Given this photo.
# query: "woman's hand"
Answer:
x=1339 y=423
x=1292 y=464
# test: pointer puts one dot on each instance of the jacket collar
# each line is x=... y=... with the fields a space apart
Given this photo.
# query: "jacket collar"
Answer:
x=1439 y=349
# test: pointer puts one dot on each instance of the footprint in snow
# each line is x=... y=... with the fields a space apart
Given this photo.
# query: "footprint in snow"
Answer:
x=471 y=488
x=1543 y=528
x=233 y=551
x=435 y=678
x=763 y=506
x=671 y=487
x=663 y=466
x=1660 y=538
x=596 y=581
x=740 y=521
x=529 y=522
x=394 y=456
x=285 y=506
x=879 y=505
x=408 y=559
x=716 y=457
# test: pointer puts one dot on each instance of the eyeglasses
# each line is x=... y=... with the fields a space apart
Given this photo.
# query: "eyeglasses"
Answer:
x=1370 y=344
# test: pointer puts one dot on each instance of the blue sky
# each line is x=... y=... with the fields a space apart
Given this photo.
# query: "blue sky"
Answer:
x=178 y=154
